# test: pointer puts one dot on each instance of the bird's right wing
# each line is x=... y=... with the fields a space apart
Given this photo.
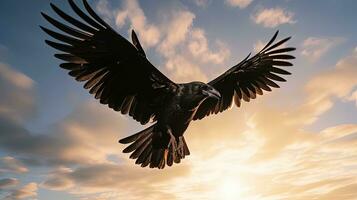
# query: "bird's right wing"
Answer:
x=249 y=78
x=115 y=71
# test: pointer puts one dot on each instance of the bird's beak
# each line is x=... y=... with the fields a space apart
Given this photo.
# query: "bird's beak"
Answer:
x=214 y=94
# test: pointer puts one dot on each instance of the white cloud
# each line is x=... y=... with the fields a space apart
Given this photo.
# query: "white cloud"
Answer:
x=185 y=48
x=239 y=3
x=315 y=47
x=176 y=31
x=273 y=17
x=198 y=46
x=183 y=70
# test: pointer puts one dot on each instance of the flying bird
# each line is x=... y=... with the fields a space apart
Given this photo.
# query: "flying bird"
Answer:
x=119 y=74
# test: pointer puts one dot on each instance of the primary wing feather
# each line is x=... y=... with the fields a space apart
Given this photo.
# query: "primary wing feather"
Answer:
x=114 y=70
x=249 y=78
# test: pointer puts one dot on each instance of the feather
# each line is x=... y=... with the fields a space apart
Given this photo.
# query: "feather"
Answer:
x=66 y=29
x=271 y=41
x=281 y=63
x=137 y=44
x=94 y=15
x=72 y=20
x=278 y=44
x=283 y=50
x=269 y=82
x=274 y=77
x=85 y=17
x=281 y=57
x=279 y=71
x=70 y=58
x=63 y=38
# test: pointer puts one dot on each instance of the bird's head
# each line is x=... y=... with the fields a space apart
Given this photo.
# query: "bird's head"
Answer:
x=195 y=93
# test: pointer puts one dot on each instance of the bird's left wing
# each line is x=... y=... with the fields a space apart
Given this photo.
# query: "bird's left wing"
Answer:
x=115 y=71
x=249 y=78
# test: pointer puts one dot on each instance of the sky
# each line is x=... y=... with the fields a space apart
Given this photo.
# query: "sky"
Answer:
x=298 y=142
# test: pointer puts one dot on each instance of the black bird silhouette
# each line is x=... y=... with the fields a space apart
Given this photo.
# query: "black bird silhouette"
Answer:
x=119 y=74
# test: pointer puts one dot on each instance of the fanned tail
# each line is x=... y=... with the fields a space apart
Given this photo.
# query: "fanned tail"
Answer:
x=155 y=148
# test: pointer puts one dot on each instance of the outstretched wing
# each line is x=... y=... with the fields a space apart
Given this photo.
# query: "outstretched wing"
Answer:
x=114 y=70
x=249 y=78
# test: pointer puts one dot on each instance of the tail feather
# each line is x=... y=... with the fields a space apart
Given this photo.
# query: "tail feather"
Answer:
x=145 y=149
x=141 y=149
x=137 y=144
x=135 y=136
x=147 y=161
x=185 y=148
x=144 y=156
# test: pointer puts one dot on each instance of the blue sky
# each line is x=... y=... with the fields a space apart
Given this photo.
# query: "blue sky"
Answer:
x=187 y=40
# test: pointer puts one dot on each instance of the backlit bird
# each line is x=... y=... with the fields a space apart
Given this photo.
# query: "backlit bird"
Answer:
x=119 y=74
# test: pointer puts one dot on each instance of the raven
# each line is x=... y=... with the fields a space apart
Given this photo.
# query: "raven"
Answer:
x=119 y=74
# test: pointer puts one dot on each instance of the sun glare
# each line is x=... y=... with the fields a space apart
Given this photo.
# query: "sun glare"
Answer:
x=230 y=189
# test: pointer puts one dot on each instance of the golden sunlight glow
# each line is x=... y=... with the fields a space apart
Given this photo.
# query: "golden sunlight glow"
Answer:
x=230 y=189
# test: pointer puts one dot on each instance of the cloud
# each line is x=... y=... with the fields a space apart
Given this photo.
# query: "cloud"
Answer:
x=17 y=100
x=183 y=47
x=186 y=48
x=239 y=3
x=148 y=33
x=259 y=45
x=198 y=46
x=11 y=165
x=314 y=48
x=338 y=82
x=261 y=150
x=183 y=70
x=353 y=97
x=181 y=22
x=73 y=140
x=273 y=17
x=27 y=191
x=123 y=180
x=8 y=182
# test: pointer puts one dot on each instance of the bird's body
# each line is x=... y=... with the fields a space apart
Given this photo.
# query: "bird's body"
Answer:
x=119 y=74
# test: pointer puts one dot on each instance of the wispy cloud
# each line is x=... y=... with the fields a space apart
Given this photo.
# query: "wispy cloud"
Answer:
x=338 y=82
x=27 y=191
x=273 y=17
x=11 y=165
x=17 y=90
x=314 y=48
x=239 y=3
